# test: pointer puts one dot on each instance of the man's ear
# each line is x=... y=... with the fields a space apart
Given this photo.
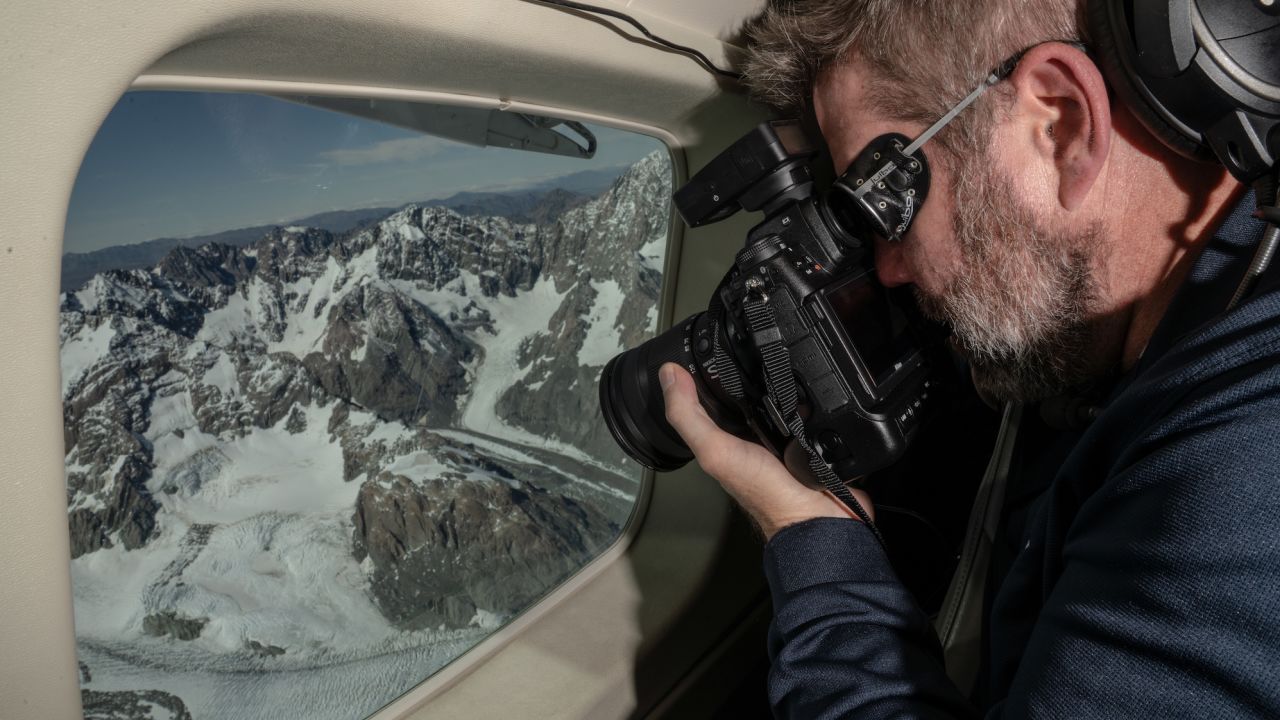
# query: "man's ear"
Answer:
x=1062 y=115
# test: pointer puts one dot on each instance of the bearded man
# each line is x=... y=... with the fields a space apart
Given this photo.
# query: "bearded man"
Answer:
x=1137 y=571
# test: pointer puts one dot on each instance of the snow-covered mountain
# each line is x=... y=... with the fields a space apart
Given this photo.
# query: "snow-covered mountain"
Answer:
x=325 y=448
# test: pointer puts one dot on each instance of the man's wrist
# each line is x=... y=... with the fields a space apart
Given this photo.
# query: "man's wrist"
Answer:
x=777 y=525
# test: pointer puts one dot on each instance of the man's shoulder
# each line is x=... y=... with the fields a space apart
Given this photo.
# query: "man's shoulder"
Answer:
x=1232 y=345
x=1159 y=538
x=1207 y=404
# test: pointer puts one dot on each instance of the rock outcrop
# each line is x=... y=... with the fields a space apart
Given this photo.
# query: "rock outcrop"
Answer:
x=132 y=705
x=442 y=549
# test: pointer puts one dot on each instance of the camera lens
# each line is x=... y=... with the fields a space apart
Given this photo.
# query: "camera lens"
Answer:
x=632 y=403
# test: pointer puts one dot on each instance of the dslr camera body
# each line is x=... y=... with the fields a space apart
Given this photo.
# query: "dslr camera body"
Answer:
x=799 y=343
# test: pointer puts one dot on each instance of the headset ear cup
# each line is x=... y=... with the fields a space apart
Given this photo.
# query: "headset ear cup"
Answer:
x=1106 y=42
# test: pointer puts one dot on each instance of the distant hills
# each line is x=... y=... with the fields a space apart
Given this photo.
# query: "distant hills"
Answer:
x=77 y=268
x=542 y=203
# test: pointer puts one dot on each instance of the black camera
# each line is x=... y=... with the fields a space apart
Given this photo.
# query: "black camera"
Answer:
x=799 y=341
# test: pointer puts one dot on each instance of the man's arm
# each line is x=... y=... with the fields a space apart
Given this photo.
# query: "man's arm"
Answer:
x=847 y=638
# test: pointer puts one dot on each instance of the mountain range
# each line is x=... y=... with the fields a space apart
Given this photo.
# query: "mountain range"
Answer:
x=541 y=202
x=329 y=446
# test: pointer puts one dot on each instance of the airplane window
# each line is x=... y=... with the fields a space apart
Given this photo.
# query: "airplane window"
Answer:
x=329 y=385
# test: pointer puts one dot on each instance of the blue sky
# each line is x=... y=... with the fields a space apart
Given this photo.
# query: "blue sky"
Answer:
x=177 y=164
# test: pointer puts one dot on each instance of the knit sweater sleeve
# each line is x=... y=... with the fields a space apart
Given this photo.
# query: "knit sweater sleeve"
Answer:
x=847 y=639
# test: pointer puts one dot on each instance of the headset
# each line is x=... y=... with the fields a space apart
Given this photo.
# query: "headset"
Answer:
x=1203 y=76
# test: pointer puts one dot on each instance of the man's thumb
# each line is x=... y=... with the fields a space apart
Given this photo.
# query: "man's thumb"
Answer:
x=684 y=412
x=667 y=376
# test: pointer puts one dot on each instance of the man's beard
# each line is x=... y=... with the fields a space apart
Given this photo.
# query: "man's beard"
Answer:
x=1019 y=304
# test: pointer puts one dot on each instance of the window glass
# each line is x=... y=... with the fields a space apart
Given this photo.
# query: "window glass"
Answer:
x=329 y=380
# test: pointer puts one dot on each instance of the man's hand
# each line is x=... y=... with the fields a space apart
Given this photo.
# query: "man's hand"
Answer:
x=750 y=474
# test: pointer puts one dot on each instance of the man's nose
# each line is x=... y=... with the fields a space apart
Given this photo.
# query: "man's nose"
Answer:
x=891 y=263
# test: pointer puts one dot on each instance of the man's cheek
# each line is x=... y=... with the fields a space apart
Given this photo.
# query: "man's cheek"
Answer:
x=933 y=305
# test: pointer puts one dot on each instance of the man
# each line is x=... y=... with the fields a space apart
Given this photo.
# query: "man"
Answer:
x=1071 y=252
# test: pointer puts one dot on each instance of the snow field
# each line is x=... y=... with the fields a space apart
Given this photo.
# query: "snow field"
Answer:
x=603 y=341
x=342 y=690
x=305 y=331
x=268 y=469
x=82 y=351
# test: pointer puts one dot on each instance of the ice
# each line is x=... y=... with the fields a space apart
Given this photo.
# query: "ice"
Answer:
x=306 y=327
x=654 y=252
x=495 y=448
x=91 y=294
x=271 y=469
x=408 y=232
x=183 y=460
x=486 y=620
x=84 y=350
x=261 y=547
x=418 y=466
x=108 y=586
x=359 y=269
x=171 y=410
x=287 y=581
x=222 y=375
x=603 y=341
x=515 y=319
x=384 y=431
x=500 y=450
x=222 y=327
x=348 y=688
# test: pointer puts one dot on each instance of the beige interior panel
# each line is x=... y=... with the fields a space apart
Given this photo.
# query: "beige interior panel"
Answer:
x=711 y=17
x=615 y=640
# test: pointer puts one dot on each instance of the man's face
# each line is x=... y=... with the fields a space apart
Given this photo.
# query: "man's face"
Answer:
x=1016 y=291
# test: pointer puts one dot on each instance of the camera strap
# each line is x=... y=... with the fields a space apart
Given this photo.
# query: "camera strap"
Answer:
x=781 y=382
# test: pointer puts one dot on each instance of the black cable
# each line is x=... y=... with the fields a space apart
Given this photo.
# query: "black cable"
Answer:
x=701 y=59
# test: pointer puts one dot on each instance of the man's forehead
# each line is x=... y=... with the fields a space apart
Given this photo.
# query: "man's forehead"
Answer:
x=846 y=113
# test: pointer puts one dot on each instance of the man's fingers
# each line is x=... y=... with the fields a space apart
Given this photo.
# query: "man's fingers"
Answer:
x=748 y=472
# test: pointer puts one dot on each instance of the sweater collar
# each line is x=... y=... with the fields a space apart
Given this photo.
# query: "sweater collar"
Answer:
x=1212 y=281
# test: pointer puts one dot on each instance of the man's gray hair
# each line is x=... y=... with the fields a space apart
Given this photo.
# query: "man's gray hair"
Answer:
x=924 y=55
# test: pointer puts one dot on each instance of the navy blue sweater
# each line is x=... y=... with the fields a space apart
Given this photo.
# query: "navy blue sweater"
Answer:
x=1142 y=577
